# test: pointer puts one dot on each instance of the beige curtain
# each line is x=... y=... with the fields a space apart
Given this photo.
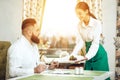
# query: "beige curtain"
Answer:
x=34 y=9
x=95 y=7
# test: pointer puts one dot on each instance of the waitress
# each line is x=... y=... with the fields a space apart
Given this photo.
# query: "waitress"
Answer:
x=89 y=31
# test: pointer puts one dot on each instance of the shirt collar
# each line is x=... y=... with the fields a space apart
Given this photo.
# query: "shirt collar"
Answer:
x=27 y=42
x=90 y=24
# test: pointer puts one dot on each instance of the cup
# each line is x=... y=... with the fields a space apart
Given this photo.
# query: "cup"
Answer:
x=77 y=70
x=81 y=69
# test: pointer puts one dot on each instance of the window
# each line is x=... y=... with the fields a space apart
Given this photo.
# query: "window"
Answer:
x=57 y=20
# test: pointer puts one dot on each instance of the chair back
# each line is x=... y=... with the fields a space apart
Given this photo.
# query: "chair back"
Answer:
x=4 y=45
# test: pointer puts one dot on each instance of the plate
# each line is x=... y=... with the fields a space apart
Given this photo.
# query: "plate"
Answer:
x=66 y=61
x=60 y=60
x=61 y=71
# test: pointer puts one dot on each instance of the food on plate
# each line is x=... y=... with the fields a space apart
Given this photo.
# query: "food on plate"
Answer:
x=72 y=58
x=63 y=54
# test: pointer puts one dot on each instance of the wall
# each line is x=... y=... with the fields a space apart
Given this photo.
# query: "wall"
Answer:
x=10 y=19
x=109 y=30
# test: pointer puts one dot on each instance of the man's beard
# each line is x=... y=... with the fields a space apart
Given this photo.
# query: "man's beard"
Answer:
x=35 y=39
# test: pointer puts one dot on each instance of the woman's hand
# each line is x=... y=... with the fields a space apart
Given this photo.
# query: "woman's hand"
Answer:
x=81 y=59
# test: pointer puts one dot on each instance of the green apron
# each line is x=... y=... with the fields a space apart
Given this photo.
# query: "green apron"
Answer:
x=99 y=62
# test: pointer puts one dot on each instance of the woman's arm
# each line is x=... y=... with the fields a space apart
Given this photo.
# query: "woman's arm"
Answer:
x=95 y=43
x=79 y=43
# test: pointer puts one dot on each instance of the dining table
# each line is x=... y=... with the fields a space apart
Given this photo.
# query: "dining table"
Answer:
x=66 y=74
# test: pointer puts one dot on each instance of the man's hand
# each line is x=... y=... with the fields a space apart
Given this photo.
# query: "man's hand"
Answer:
x=40 y=68
x=53 y=65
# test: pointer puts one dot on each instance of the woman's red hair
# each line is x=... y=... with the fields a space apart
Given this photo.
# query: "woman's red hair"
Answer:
x=84 y=6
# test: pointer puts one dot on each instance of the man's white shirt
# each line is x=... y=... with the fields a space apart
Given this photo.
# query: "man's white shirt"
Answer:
x=22 y=58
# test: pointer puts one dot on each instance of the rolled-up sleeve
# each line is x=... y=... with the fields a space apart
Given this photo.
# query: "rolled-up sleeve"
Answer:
x=15 y=64
x=95 y=43
x=79 y=43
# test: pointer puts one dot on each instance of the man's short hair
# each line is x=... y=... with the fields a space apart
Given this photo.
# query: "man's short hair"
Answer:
x=27 y=22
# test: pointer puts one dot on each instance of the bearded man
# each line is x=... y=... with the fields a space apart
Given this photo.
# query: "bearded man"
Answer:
x=23 y=55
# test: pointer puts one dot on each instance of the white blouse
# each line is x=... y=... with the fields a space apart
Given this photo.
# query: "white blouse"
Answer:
x=89 y=33
x=22 y=58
